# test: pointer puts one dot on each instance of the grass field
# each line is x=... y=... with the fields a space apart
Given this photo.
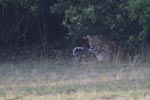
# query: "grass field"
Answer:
x=63 y=79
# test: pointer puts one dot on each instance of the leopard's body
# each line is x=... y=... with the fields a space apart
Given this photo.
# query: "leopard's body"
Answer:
x=100 y=44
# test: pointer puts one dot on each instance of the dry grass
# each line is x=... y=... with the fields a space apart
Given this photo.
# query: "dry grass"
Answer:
x=59 y=79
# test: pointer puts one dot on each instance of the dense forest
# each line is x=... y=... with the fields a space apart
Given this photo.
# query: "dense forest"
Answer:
x=63 y=24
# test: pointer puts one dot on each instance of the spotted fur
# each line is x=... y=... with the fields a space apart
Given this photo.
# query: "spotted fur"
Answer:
x=81 y=53
x=99 y=44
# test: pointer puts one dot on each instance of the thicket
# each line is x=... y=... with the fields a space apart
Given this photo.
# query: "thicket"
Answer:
x=124 y=21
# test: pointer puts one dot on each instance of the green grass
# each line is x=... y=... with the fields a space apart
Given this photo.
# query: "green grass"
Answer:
x=60 y=79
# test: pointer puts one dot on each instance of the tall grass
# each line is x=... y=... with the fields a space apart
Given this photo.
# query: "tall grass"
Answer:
x=57 y=78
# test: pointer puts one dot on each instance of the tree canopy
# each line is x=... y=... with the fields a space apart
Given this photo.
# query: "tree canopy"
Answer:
x=125 y=21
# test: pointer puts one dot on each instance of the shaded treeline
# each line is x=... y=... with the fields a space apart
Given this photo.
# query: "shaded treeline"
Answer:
x=61 y=24
x=21 y=27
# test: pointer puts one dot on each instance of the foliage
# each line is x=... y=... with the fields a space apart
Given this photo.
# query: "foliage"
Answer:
x=140 y=11
x=31 y=5
x=126 y=21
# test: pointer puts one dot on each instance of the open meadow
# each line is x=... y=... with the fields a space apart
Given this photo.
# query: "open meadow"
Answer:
x=64 y=79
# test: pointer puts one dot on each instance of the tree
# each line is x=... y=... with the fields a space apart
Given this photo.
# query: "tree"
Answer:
x=139 y=10
x=125 y=21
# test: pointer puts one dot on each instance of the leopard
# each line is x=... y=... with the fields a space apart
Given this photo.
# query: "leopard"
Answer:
x=101 y=45
x=110 y=49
